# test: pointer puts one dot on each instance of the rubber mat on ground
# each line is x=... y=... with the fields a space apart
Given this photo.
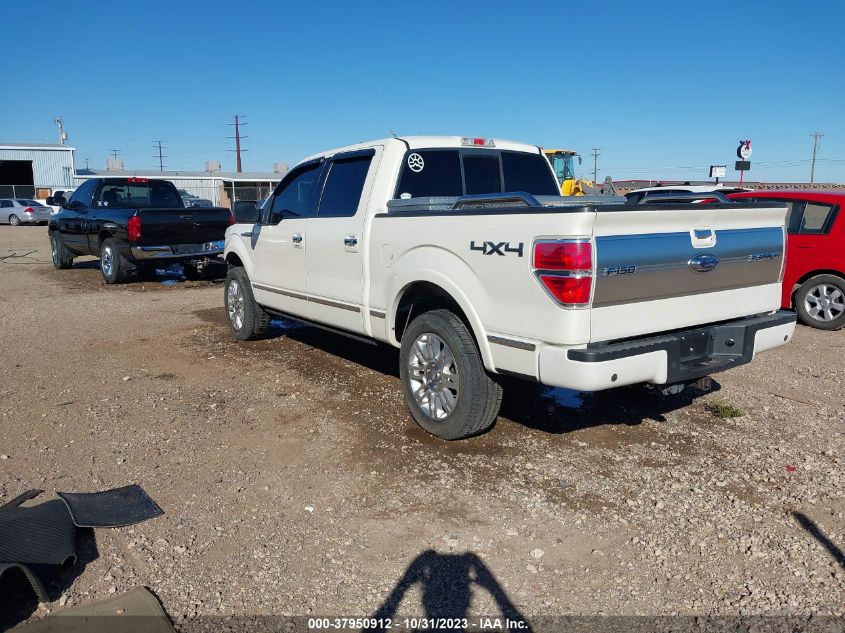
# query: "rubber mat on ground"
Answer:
x=111 y=508
x=34 y=580
x=136 y=611
x=39 y=534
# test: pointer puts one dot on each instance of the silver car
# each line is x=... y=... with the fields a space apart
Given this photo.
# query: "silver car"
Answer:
x=17 y=211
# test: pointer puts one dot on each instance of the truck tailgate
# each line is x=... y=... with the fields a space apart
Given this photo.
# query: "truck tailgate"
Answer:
x=195 y=225
x=673 y=267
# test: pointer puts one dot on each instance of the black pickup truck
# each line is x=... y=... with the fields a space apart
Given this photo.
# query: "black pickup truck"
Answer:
x=134 y=225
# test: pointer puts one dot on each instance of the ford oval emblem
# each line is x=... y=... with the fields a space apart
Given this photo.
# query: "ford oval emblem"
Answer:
x=703 y=263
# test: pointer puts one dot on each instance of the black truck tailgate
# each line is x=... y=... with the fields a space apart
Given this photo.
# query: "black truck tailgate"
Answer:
x=195 y=225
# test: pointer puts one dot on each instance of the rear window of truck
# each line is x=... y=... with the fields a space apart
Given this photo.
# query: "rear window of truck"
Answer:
x=152 y=194
x=456 y=172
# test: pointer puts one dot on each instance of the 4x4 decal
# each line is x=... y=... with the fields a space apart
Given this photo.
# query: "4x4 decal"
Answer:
x=497 y=248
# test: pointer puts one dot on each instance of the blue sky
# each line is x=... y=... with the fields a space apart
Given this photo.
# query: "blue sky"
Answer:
x=663 y=88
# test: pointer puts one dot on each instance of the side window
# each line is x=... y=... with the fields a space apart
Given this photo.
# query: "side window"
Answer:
x=794 y=214
x=5 y=204
x=816 y=217
x=83 y=193
x=295 y=196
x=344 y=186
x=481 y=174
x=431 y=173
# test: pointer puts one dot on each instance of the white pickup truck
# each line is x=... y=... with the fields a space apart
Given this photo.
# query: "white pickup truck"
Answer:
x=460 y=252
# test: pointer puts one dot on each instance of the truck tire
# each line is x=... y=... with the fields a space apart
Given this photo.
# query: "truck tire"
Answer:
x=62 y=258
x=14 y=220
x=113 y=266
x=447 y=389
x=247 y=320
x=820 y=302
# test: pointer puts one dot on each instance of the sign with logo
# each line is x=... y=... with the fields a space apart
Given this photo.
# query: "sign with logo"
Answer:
x=718 y=171
x=744 y=150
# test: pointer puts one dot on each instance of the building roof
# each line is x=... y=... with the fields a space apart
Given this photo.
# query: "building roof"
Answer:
x=179 y=175
x=51 y=146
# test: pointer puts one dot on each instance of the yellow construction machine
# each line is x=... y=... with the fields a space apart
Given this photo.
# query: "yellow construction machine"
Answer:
x=563 y=163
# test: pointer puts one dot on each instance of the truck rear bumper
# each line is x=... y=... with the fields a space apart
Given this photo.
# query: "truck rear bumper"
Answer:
x=177 y=251
x=665 y=359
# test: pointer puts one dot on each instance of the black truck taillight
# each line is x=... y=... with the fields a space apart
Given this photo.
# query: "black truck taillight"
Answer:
x=133 y=228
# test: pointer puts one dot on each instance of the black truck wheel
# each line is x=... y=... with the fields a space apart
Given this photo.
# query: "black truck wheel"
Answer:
x=61 y=256
x=820 y=302
x=247 y=320
x=114 y=266
x=447 y=389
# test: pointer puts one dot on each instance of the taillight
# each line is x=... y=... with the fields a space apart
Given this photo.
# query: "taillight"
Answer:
x=133 y=228
x=231 y=218
x=565 y=268
x=28 y=210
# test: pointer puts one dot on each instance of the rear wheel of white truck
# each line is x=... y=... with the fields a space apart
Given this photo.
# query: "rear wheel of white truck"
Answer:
x=820 y=302
x=247 y=319
x=447 y=389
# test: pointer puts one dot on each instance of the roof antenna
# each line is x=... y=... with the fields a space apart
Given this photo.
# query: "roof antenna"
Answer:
x=62 y=133
x=392 y=133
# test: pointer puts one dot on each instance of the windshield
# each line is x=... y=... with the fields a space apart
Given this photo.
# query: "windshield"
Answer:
x=139 y=195
x=564 y=166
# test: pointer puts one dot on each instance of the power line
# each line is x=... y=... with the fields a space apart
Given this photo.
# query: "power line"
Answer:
x=161 y=157
x=114 y=153
x=816 y=138
x=596 y=155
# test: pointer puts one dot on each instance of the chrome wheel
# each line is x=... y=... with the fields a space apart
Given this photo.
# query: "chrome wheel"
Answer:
x=14 y=220
x=433 y=375
x=54 y=250
x=235 y=304
x=107 y=261
x=824 y=302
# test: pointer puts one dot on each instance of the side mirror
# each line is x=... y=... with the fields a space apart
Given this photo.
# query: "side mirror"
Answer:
x=50 y=201
x=245 y=212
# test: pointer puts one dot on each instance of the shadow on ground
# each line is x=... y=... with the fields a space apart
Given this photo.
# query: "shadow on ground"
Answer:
x=813 y=529
x=447 y=583
x=542 y=408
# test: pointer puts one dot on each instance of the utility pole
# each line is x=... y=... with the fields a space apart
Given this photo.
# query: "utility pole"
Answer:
x=816 y=138
x=161 y=157
x=238 y=138
x=114 y=153
x=86 y=164
x=596 y=154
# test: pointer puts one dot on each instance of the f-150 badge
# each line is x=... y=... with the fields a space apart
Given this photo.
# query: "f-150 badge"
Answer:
x=497 y=248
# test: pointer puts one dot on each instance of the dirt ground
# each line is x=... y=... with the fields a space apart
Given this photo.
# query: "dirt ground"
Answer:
x=294 y=482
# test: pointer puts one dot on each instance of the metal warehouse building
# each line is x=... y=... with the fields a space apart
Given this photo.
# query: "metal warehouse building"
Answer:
x=222 y=188
x=33 y=170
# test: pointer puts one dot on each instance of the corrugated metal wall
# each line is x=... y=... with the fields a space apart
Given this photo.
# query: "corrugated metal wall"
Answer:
x=50 y=168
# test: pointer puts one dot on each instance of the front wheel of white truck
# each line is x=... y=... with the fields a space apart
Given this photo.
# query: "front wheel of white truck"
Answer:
x=447 y=389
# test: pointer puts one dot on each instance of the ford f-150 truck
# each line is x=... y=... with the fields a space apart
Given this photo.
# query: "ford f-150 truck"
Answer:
x=134 y=224
x=462 y=253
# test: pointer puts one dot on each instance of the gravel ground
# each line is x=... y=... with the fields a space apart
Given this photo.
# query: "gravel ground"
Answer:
x=295 y=483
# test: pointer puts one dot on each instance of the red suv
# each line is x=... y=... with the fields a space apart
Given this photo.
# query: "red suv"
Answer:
x=814 y=279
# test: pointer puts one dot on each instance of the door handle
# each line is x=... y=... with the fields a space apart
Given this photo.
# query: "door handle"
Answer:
x=296 y=238
x=247 y=234
x=350 y=240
